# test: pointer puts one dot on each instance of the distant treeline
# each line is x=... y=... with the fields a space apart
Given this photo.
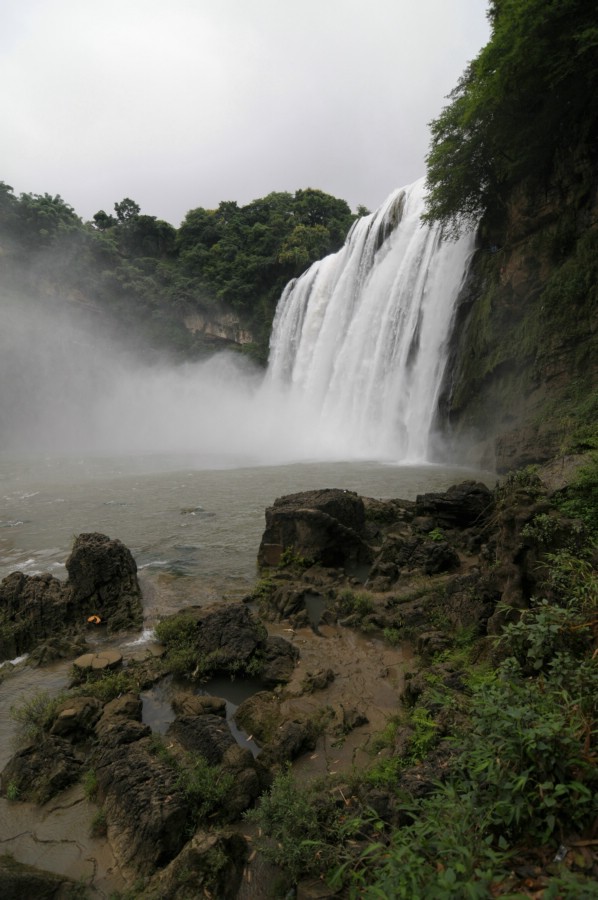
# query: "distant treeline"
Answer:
x=149 y=276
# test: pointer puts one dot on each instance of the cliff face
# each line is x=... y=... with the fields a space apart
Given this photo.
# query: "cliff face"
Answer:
x=522 y=385
x=221 y=327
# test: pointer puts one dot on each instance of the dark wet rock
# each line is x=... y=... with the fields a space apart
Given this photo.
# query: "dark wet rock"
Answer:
x=209 y=865
x=430 y=643
x=120 y=723
x=55 y=648
x=208 y=735
x=288 y=601
x=198 y=705
x=250 y=779
x=128 y=706
x=37 y=609
x=325 y=526
x=225 y=636
x=461 y=506
x=383 y=802
x=40 y=771
x=315 y=889
x=19 y=881
x=146 y=811
x=439 y=557
x=352 y=718
x=279 y=661
x=410 y=553
x=118 y=732
x=259 y=716
x=281 y=740
x=291 y=740
x=32 y=608
x=103 y=581
x=317 y=681
x=76 y=718
x=422 y=780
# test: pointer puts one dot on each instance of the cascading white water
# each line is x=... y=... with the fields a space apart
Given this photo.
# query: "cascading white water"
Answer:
x=361 y=338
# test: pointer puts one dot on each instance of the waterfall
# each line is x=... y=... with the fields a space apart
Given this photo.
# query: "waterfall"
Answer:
x=361 y=338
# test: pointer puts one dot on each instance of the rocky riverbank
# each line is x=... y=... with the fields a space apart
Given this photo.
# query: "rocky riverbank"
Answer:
x=350 y=589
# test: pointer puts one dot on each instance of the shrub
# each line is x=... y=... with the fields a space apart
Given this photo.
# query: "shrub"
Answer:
x=303 y=837
x=359 y=604
x=205 y=787
x=99 y=824
x=523 y=763
x=90 y=784
x=541 y=633
x=35 y=715
x=107 y=685
x=580 y=498
x=443 y=855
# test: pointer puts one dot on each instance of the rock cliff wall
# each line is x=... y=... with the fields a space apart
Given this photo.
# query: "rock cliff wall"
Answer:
x=523 y=379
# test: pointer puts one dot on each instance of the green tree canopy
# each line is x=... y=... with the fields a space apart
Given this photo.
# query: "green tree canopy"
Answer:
x=523 y=109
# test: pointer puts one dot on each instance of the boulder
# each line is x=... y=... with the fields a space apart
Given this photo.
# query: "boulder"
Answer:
x=19 y=881
x=40 y=771
x=279 y=661
x=76 y=718
x=210 y=865
x=325 y=526
x=207 y=735
x=250 y=779
x=103 y=581
x=198 y=705
x=32 y=607
x=36 y=608
x=224 y=635
x=292 y=739
x=461 y=506
x=259 y=716
x=146 y=811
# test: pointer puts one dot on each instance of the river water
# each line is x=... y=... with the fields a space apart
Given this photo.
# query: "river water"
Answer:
x=194 y=530
x=177 y=516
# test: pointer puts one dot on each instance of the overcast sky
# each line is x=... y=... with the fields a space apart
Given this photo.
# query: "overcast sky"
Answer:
x=184 y=103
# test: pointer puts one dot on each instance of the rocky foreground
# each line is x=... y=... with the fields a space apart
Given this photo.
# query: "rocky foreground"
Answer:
x=350 y=587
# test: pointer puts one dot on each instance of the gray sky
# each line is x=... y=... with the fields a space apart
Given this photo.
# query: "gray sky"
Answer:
x=184 y=103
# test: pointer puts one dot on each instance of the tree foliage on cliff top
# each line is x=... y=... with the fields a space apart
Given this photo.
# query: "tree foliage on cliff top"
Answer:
x=523 y=110
x=149 y=275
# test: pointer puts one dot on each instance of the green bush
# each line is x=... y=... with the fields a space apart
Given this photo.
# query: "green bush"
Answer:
x=351 y=603
x=35 y=715
x=541 y=633
x=443 y=855
x=107 y=686
x=90 y=784
x=523 y=762
x=301 y=836
x=580 y=498
x=205 y=787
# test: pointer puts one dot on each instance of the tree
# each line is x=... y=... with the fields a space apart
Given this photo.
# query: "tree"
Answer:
x=126 y=210
x=520 y=113
x=103 y=221
x=41 y=218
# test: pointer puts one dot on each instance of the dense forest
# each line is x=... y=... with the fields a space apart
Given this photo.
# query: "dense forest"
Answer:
x=149 y=277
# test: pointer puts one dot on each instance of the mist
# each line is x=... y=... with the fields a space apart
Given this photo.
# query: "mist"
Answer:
x=71 y=388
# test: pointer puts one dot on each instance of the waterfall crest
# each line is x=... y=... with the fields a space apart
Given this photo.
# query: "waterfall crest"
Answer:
x=360 y=340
